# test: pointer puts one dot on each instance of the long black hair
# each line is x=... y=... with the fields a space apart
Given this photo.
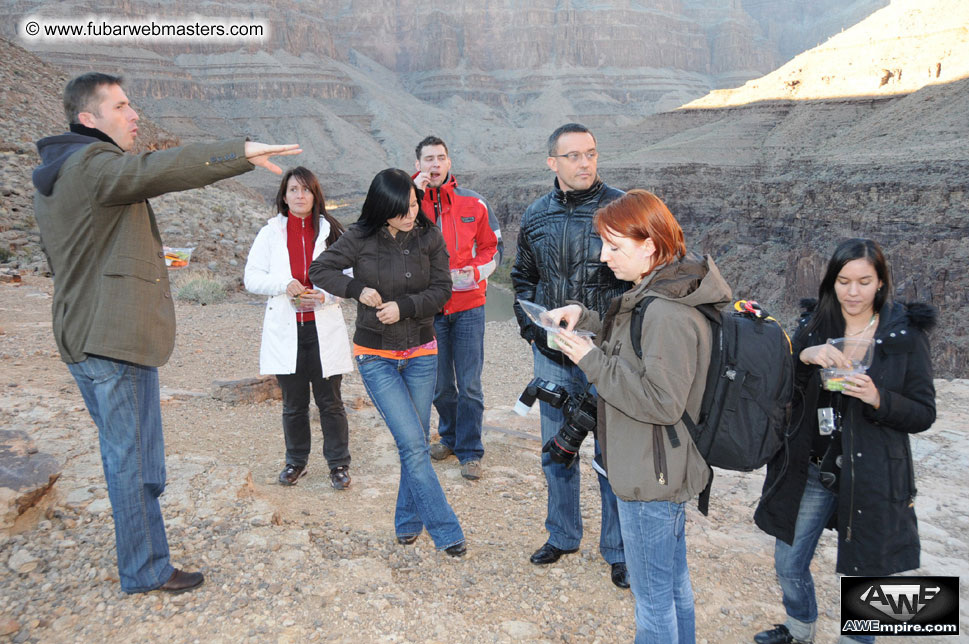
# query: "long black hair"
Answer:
x=309 y=181
x=389 y=197
x=828 y=319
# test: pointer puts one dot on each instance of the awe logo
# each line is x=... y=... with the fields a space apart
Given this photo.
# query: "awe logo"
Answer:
x=903 y=605
x=900 y=601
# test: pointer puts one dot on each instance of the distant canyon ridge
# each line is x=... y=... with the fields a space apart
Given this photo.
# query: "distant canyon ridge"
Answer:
x=358 y=82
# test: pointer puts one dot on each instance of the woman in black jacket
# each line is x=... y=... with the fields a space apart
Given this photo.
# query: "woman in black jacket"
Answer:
x=859 y=479
x=400 y=279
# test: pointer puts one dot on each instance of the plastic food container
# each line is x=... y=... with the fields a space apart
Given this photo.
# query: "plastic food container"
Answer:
x=308 y=305
x=177 y=257
x=859 y=352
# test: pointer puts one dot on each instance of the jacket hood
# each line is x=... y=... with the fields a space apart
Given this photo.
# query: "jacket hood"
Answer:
x=922 y=316
x=919 y=315
x=691 y=280
x=54 y=151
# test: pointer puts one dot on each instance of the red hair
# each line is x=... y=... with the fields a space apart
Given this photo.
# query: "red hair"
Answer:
x=641 y=215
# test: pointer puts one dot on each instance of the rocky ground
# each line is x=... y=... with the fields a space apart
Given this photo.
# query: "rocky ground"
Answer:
x=308 y=563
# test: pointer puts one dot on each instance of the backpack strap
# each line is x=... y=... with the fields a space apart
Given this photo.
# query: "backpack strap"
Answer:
x=636 y=325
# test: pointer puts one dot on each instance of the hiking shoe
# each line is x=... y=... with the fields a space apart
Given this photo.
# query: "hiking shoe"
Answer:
x=291 y=474
x=471 y=470
x=440 y=451
x=457 y=550
x=340 y=477
x=777 y=635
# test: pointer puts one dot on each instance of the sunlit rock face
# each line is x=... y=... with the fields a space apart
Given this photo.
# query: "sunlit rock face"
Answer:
x=770 y=182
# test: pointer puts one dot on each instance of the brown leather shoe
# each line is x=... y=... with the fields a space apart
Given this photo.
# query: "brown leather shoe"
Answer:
x=340 y=477
x=181 y=581
x=291 y=474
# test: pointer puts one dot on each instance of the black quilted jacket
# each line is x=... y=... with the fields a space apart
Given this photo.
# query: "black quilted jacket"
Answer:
x=558 y=257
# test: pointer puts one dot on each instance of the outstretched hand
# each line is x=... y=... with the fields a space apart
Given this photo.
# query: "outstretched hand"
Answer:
x=259 y=153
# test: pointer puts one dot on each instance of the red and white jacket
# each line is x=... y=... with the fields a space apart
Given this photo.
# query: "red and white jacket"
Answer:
x=472 y=236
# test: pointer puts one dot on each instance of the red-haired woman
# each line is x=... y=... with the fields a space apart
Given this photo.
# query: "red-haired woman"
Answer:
x=643 y=243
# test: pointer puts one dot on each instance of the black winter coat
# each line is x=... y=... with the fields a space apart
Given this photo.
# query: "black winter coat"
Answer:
x=875 y=517
x=410 y=269
x=558 y=258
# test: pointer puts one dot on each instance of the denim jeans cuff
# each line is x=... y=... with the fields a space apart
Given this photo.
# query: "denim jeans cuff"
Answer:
x=613 y=555
x=801 y=631
x=562 y=545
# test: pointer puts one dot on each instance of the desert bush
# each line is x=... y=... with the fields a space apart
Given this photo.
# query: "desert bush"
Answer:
x=199 y=286
x=202 y=291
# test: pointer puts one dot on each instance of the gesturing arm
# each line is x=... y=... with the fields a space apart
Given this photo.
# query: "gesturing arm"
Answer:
x=120 y=179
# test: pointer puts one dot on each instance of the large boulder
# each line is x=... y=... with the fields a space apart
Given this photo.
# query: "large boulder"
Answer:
x=26 y=475
x=247 y=390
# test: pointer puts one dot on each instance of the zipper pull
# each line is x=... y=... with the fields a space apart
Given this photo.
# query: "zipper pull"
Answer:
x=848 y=534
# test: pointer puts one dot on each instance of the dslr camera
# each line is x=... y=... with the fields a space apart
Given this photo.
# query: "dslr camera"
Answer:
x=579 y=412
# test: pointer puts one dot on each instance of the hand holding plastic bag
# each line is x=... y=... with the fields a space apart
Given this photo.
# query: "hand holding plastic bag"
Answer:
x=462 y=279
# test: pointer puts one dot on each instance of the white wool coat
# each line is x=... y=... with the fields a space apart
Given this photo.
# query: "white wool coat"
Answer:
x=268 y=273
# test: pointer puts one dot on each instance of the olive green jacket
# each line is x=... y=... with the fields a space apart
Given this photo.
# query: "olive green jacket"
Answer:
x=638 y=397
x=112 y=297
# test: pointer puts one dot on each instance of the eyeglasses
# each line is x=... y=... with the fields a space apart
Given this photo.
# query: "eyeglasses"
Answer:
x=591 y=155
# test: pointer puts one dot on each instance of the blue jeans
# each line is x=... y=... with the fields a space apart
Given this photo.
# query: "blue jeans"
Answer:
x=122 y=399
x=401 y=390
x=654 y=534
x=793 y=562
x=564 y=517
x=458 y=398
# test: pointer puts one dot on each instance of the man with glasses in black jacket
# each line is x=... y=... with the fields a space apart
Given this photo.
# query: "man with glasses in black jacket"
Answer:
x=558 y=260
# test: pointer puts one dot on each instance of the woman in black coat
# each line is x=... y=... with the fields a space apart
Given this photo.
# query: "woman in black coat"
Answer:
x=860 y=479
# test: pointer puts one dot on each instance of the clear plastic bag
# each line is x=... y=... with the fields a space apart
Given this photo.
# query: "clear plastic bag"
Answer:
x=539 y=315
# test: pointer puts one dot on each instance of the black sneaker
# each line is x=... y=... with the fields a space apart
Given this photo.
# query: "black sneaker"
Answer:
x=340 y=477
x=291 y=474
x=778 y=635
x=457 y=550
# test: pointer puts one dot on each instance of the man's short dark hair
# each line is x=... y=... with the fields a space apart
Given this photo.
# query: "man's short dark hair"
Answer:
x=429 y=140
x=566 y=129
x=81 y=93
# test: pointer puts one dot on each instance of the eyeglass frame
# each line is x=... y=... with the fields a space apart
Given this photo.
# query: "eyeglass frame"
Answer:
x=589 y=156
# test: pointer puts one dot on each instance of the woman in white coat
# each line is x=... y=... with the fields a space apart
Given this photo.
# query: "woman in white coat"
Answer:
x=304 y=337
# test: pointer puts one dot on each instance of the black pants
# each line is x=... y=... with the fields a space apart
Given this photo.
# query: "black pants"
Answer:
x=296 y=405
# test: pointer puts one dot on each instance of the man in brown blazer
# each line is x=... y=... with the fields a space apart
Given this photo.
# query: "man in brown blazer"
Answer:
x=114 y=320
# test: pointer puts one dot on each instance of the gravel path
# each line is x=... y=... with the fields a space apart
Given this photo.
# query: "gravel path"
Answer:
x=309 y=563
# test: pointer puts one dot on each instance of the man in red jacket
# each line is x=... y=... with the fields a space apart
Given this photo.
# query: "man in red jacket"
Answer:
x=474 y=244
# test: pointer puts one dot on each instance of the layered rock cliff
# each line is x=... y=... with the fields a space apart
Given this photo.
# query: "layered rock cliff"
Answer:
x=359 y=82
x=769 y=186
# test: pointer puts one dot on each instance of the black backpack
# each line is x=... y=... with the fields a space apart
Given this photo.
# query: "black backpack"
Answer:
x=747 y=401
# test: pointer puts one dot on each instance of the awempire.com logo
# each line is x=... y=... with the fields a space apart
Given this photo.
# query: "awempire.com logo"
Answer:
x=900 y=606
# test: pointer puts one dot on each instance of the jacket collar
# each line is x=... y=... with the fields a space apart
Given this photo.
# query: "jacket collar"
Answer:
x=445 y=193
x=579 y=197
x=95 y=133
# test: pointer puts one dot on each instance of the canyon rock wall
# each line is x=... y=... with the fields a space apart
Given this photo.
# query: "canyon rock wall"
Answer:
x=770 y=188
x=359 y=82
